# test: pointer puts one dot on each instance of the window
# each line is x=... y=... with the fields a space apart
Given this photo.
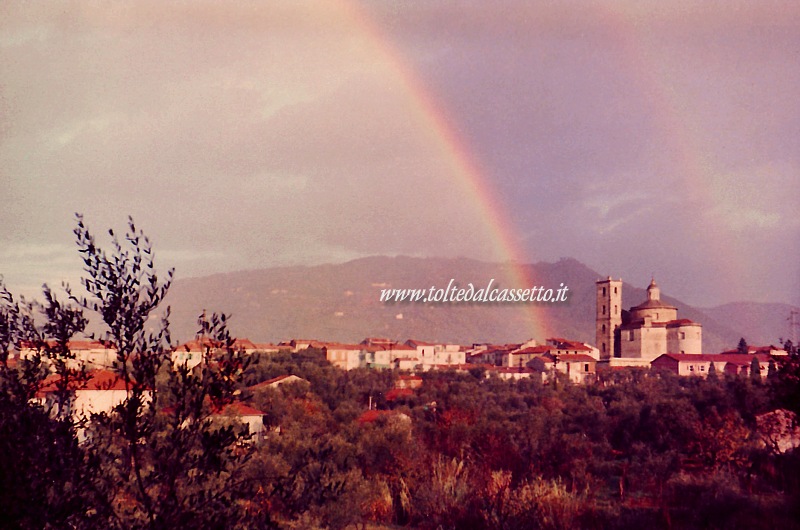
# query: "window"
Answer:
x=702 y=368
x=630 y=335
x=615 y=290
x=681 y=334
x=604 y=309
x=586 y=367
x=604 y=291
x=604 y=347
x=604 y=328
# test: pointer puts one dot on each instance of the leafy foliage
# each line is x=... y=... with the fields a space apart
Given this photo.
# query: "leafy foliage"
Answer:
x=637 y=449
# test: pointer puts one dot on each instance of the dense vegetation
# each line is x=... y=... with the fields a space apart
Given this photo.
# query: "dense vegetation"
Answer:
x=636 y=450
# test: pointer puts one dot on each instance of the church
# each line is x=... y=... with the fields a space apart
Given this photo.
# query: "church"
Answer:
x=639 y=335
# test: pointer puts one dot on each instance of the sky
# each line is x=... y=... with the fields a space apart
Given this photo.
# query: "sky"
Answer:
x=643 y=138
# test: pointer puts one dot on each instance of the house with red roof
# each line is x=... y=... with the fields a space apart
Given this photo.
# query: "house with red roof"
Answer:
x=371 y=416
x=579 y=368
x=510 y=372
x=700 y=364
x=345 y=356
x=437 y=354
x=386 y=353
x=296 y=345
x=521 y=357
x=561 y=346
x=275 y=382
x=266 y=347
x=101 y=391
x=190 y=353
x=193 y=352
x=766 y=350
x=93 y=354
x=243 y=414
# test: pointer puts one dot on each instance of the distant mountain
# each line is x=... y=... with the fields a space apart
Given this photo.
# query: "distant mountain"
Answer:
x=759 y=324
x=341 y=303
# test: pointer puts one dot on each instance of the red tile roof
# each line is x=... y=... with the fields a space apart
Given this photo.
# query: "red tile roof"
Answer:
x=566 y=344
x=533 y=350
x=340 y=346
x=245 y=344
x=275 y=381
x=74 y=345
x=735 y=358
x=97 y=380
x=576 y=358
x=370 y=416
x=237 y=408
x=397 y=393
x=414 y=343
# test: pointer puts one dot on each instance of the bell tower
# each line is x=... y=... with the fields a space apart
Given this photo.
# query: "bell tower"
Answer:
x=609 y=316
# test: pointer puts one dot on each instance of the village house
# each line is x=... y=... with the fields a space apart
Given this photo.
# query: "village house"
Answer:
x=193 y=352
x=242 y=414
x=508 y=372
x=345 y=356
x=560 y=346
x=433 y=354
x=100 y=392
x=190 y=353
x=296 y=345
x=404 y=387
x=266 y=347
x=521 y=357
x=92 y=354
x=493 y=354
x=275 y=382
x=386 y=353
x=579 y=368
x=765 y=350
x=700 y=364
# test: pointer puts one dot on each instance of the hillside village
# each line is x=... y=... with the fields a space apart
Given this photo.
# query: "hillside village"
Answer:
x=648 y=336
x=535 y=409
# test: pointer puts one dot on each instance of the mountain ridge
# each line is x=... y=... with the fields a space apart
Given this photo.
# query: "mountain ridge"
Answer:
x=340 y=302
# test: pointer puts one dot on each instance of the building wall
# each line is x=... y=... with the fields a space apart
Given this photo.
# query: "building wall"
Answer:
x=191 y=358
x=346 y=359
x=645 y=342
x=685 y=339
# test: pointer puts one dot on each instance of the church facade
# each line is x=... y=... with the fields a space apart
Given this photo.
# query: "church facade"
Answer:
x=644 y=332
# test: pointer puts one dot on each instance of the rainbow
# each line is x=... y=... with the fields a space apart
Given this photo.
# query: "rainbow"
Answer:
x=469 y=176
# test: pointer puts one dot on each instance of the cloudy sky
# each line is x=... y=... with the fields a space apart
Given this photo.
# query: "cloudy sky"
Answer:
x=637 y=137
